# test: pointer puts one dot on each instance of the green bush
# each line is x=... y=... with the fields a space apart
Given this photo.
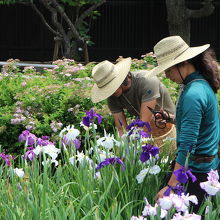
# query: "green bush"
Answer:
x=45 y=102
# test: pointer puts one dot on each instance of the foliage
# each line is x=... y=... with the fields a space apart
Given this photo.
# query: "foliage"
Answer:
x=74 y=188
x=46 y=101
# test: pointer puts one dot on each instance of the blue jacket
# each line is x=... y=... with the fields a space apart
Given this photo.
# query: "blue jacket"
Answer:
x=197 y=123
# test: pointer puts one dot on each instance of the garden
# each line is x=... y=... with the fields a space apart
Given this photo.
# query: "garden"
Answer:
x=61 y=157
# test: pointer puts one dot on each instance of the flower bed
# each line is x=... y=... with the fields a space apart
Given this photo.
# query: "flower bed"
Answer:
x=106 y=178
x=56 y=163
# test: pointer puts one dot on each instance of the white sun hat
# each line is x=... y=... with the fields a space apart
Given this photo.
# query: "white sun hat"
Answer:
x=173 y=50
x=108 y=78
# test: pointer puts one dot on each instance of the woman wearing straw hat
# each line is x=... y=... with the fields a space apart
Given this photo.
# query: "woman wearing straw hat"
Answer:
x=197 y=115
x=131 y=91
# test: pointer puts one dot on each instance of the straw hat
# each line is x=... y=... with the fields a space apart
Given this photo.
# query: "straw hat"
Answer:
x=108 y=78
x=173 y=50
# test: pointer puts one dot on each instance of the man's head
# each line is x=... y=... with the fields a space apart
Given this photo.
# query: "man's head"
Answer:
x=126 y=84
x=108 y=78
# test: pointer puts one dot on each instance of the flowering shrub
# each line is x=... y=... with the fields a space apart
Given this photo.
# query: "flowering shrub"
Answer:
x=43 y=102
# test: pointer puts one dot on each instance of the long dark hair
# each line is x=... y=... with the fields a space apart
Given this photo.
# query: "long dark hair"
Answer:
x=207 y=65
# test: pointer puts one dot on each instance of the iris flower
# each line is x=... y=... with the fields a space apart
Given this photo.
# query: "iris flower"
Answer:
x=139 y=123
x=178 y=189
x=183 y=174
x=27 y=137
x=108 y=141
x=148 y=150
x=7 y=158
x=90 y=117
x=112 y=161
x=19 y=172
x=212 y=186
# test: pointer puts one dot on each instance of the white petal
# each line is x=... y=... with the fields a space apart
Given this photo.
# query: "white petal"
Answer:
x=154 y=170
x=19 y=172
x=140 y=177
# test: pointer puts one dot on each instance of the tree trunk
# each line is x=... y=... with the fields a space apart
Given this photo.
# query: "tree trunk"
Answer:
x=57 y=47
x=178 y=21
x=86 y=53
x=179 y=16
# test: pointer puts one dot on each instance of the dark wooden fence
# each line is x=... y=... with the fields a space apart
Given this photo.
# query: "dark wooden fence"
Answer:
x=126 y=28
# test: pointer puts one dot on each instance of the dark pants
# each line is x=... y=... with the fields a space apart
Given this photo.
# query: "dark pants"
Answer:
x=193 y=188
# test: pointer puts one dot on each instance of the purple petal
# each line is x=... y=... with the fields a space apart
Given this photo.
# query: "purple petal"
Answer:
x=167 y=192
x=154 y=151
x=144 y=156
x=86 y=121
x=181 y=176
x=77 y=143
x=144 y=134
x=189 y=173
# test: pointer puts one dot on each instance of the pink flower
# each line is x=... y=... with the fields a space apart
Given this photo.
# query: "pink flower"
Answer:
x=212 y=186
x=186 y=216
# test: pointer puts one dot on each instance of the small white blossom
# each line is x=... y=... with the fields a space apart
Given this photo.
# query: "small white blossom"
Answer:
x=140 y=177
x=19 y=172
x=108 y=141
x=154 y=169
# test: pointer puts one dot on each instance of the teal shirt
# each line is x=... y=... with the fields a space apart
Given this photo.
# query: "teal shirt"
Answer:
x=197 y=123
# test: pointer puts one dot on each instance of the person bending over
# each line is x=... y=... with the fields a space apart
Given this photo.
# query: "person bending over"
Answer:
x=133 y=91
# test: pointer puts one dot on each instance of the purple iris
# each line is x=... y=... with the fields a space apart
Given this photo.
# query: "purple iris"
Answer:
x=148 y=150
x=7 y=158
x=29 y=154
x=112 y=161
x=139 y=123
x=144 y=134
x=77 y=143
x=178 y=189
x=28 y=137
x=43 y=141
x=90 y=116
x=183 y=174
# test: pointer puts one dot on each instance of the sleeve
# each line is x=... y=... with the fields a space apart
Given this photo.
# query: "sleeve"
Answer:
x=114 y=105
x=190 y=124
x=149 y=89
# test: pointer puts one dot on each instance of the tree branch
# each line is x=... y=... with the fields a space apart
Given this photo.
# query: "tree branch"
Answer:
x=68 y=21
x=44 y=20
x=59 y=27
x=88 y=11
x=206 y=10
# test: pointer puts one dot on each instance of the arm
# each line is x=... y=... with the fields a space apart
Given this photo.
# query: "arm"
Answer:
x=171 y=182
x=145 y=113
x=189 y=124
x=120 y=122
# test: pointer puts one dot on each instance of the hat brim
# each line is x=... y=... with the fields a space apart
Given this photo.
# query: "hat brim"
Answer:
x=188 y=54
x=122 y=68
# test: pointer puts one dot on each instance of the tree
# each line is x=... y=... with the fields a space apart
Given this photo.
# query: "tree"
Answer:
x=179 y=16
x=68 y=22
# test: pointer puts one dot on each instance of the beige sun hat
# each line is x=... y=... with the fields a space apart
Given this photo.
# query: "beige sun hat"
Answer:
x=173 y=50
x=108 y=78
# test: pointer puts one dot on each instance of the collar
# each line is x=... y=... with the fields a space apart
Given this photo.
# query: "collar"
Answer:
x=193 y=76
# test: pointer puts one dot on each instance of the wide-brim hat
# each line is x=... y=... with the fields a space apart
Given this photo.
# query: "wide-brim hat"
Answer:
x=173 y=50
x=108 y=78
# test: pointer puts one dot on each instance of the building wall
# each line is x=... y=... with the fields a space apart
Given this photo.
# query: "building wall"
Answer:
x=125 y=28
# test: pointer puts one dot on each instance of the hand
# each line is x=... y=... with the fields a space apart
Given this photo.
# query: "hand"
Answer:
x=160 y=194
x=163 y=117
